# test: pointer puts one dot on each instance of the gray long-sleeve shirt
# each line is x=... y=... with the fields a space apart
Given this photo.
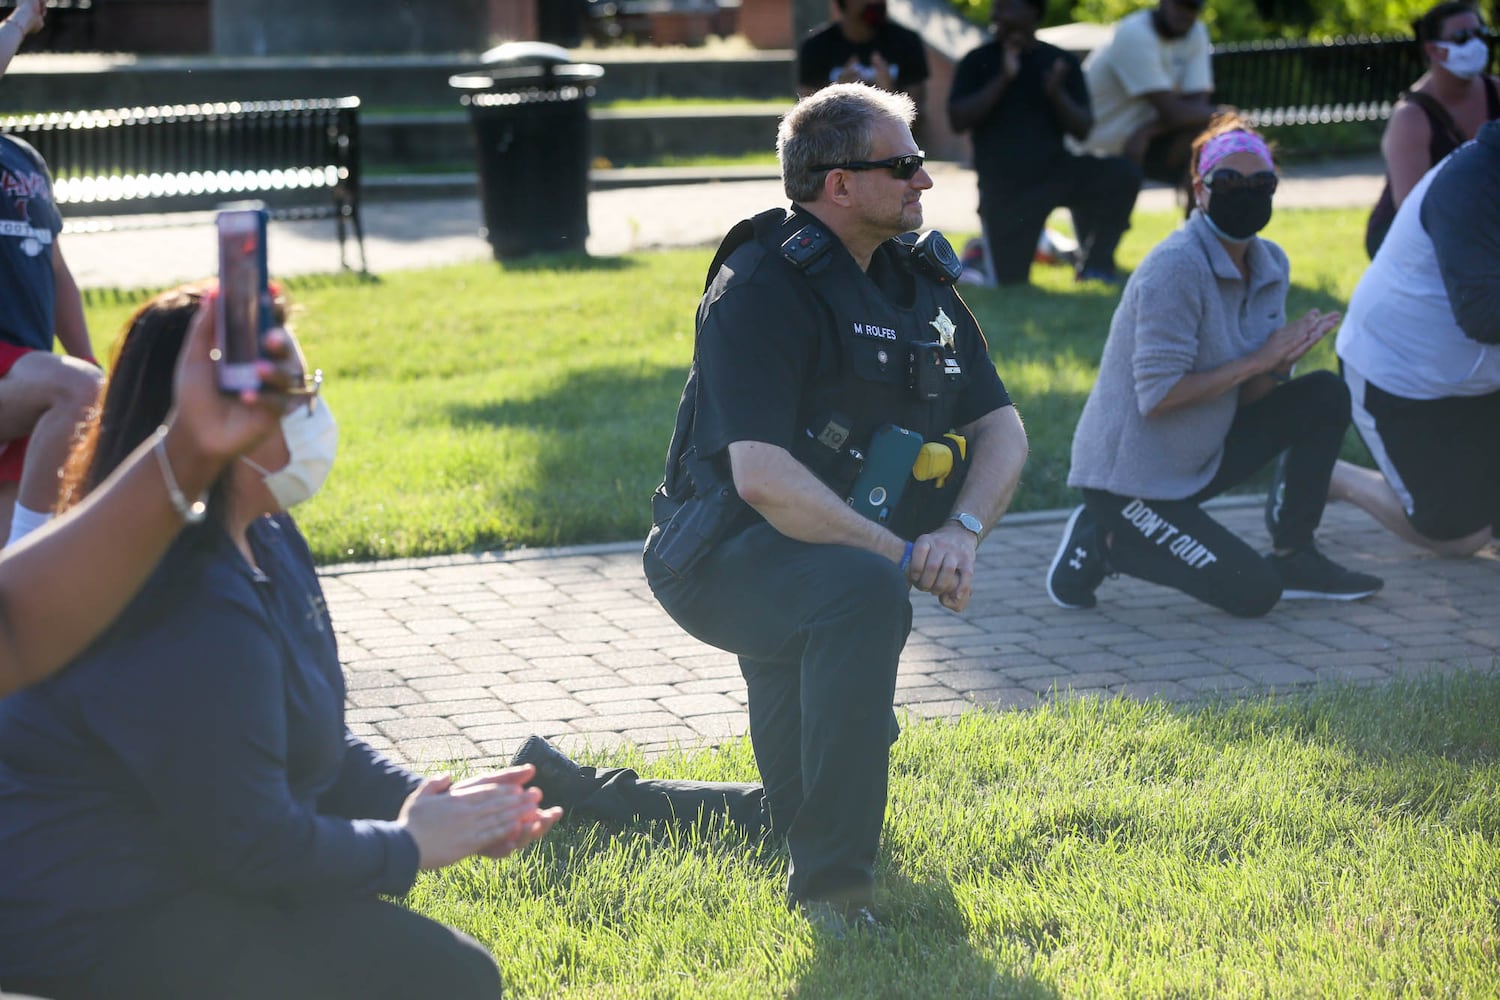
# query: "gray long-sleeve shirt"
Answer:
x=1186 y=309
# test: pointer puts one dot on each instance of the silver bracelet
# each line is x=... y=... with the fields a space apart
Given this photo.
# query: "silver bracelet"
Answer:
x=192 y=513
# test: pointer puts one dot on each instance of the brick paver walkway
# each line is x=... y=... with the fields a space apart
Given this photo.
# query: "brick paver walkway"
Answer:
x=462 y=658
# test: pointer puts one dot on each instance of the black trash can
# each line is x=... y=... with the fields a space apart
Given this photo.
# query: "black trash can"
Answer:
x=529 y=105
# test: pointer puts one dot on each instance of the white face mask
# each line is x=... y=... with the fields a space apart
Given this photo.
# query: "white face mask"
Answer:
x=1468 y=60
x=312 y=440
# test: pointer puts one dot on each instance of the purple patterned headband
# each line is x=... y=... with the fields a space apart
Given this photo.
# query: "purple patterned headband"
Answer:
x=1229 y=143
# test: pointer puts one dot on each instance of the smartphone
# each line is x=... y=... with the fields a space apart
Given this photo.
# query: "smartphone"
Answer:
x=886 y=472
x=244 y=302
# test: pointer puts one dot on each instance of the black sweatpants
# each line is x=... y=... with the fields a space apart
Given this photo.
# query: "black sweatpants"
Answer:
x=1100 y=192
x=819 y=631
x=213 y=945
x=1176 y=544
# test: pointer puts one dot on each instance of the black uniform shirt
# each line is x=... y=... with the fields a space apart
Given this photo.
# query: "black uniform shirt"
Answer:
x=764 y=337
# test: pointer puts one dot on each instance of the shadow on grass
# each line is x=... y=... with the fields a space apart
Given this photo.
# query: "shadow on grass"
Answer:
x=590 y=398
x=568 y=262
x=925 y=951
x=602 y=444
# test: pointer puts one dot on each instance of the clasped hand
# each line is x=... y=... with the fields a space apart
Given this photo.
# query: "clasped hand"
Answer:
x=942 y=564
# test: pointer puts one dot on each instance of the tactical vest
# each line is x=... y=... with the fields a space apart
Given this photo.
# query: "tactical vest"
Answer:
x=881 y=352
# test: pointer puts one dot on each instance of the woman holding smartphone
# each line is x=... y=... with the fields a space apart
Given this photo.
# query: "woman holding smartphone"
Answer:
x=183 y=809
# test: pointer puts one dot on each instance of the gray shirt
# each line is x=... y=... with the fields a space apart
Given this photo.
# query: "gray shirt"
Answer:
x=1185 y=309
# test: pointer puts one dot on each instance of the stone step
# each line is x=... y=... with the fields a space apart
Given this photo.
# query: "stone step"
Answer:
x=465 y=184
x=619 y=136
x=66 y=82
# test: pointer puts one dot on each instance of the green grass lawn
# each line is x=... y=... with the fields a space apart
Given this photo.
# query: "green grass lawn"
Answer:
x=1340 y=844
x=492 y=406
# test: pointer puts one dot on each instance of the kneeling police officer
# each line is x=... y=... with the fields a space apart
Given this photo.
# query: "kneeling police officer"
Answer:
x=832 y=355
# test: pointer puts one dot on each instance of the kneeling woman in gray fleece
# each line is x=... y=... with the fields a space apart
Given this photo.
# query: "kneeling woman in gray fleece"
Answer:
x=1194 y=396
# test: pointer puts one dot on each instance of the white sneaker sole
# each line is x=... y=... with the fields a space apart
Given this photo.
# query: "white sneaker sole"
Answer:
x=1318 y=595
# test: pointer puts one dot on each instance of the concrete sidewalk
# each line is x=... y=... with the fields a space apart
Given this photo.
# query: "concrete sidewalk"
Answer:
x=463 y=657
x=428 y=233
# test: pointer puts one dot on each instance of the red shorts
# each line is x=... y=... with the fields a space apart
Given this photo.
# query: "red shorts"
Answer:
x=12 y=453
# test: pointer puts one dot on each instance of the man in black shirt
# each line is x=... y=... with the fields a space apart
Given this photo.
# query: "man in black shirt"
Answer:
x=863 y=46
x=1020 y=97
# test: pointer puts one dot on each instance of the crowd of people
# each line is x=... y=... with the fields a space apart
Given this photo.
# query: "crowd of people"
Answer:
x=197 y=818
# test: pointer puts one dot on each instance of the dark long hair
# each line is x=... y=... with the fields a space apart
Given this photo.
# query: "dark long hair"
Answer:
x=137 y=396
x=1429 y=27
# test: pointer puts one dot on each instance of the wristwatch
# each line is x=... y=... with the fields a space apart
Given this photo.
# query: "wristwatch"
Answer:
x=969 y=521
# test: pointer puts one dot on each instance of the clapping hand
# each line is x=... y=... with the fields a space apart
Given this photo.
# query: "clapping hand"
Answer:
x=850 y=72
x=29 y=16
x=490 y=815
x=527 y=823
x=1286 y=346
x=1056 y=74
x=1010 y=58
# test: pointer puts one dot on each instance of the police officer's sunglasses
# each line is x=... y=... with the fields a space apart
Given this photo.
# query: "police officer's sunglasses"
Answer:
x=903 y=168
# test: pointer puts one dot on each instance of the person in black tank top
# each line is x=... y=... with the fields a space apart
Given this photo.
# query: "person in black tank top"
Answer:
x=1455 y=43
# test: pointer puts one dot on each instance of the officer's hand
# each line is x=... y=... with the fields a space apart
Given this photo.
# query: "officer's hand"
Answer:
x=942 y=563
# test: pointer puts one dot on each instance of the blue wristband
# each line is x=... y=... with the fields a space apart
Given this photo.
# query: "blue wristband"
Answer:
x=906 y=557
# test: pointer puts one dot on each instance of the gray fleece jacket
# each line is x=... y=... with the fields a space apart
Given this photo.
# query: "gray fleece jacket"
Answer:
x=1185 y=309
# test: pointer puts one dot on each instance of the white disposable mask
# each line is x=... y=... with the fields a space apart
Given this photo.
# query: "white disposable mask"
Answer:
x=1468 y=60
x=312 y=440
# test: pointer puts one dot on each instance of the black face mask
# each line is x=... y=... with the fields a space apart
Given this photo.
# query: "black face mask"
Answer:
x=1240 y=206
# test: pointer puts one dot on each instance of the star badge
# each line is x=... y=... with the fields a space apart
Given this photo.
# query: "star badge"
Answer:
x=945 y=328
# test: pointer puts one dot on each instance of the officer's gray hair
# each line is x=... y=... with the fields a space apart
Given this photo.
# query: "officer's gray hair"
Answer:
x=835 y=125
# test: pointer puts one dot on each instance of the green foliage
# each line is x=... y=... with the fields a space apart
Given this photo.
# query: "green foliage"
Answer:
x=1247 y=20
x=1339 y=844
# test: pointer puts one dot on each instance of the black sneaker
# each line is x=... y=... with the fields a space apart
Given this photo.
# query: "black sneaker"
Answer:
x=563 y=783
x=1276 y=497
x=1308 y=573
x=1079 y=566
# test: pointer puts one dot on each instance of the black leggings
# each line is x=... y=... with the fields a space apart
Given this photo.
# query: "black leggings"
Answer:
x=1176 y=544
x=211 y=945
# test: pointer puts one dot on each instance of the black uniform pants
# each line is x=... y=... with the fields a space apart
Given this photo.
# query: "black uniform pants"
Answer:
x=620 y=795
x=206 y=944
x=1176 y=544
x=819 y=631
x=1099 y=191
